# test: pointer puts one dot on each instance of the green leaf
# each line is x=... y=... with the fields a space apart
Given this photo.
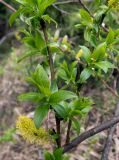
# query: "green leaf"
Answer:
x=85 y=74
x=48 y=156
x=110 y=37
x=104 y=65
x=87 y=34
x=39 y=41
x=86 y=53
x=60 y=110
x=61 y=95
x=86 y=110
x=31 y=96
x=41 y=77
x=48 y=19
x=40 y=114
x=58 y=154
x=43 y=4
x=81 y=103
x=62 y=74
x=99 y=52
x=75 y=112
x=86 y=19
x=28 y=54
x=15 y=15
x=26 y=2
x=77 y=125
x=54 y=87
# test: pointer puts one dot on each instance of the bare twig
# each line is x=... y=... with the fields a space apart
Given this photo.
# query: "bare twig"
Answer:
x=109 y=137
x=43 y=25
x=68 y=132
x=8 y=5
x=7 y=36
x=66 y=2
x=59 y=9
x=110 y=89
x=90 y=133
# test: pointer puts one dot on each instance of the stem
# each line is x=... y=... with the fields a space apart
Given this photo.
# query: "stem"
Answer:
x=109 y=142
x=58 y=132
x=43 y=25
x=8 y=5
x=109 y=88
x=68 y=132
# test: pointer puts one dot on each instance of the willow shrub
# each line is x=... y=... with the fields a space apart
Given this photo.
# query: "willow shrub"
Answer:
x=57 y=84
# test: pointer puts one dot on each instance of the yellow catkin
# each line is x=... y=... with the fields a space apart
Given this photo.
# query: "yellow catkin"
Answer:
x=113 y=4
x=30 y=133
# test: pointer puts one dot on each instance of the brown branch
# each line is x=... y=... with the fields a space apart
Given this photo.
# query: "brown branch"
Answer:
x=43 y=25
x=68 y=132
x=90 y=133
x=110 y=89
x=58 y=140
x=109 y=138
x=8 y=5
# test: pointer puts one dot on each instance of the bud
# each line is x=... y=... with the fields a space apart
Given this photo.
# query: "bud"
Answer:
x=79 y=54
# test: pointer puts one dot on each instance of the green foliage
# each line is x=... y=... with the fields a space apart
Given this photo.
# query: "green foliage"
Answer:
x=68 y=73
x=8 y=135
x=57 y=155
x=60 y=96
x=40 y=114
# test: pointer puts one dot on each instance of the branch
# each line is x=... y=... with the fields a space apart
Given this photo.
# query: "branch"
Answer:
x=90 y=133
x=7 y=36
x=68 y=132
x=83 y=6
x=8 y=5
x=43 y=25
x=65 y=2
x=60 y=10
x=109 y=138
x=110 y=89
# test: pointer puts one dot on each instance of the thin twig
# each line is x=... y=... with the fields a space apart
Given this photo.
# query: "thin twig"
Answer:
x=58 y=131
x=83 y=6
x=43 y=25
x=110 y=89
x=108 y=143
x=68 y=132
x=7 y=36
x=8 y=5
x=66 y=2
x=59 y=9
x=90 y=133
